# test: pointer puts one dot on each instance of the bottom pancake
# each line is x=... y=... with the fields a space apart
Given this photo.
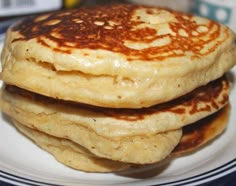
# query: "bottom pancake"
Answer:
x=202 y=132
x=150 y=148
x=70 y=153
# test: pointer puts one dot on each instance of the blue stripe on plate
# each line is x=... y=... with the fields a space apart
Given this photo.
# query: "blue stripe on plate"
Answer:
x=18 y=179
x=204 y=177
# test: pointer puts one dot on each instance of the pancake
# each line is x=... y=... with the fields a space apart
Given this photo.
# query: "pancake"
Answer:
x=202 y=132
x=59 y=119
x=115 y=124
x=69 y=153
x=116 y=56
x=75 y=156
x=151 y=148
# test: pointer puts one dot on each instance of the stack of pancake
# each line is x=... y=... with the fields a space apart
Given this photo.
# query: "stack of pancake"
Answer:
x=112 y=87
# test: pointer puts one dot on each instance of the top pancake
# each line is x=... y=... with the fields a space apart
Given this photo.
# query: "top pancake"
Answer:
x=116 y=56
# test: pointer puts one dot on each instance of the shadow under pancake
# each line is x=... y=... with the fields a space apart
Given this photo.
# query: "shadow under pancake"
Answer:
x=7 y=119
x=147 y=171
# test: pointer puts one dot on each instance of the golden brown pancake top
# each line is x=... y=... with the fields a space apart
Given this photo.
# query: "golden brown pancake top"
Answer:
x=162 y=33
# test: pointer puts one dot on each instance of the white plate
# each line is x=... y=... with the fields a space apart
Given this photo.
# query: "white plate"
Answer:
x=23 y=163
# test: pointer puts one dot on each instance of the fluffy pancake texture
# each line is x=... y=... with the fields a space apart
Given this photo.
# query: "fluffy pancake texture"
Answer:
x=141 y=54
x=150 y=148
x=115 y=133
x=77 y=157
x=70 y=153
x=117 y=123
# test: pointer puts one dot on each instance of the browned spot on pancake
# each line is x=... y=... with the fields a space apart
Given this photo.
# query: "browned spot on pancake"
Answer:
x=202 y=131
x=187 y=104
x=205 y=96
x=108 y=27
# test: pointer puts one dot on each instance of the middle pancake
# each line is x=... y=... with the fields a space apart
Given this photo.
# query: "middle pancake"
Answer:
x=108 y=132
